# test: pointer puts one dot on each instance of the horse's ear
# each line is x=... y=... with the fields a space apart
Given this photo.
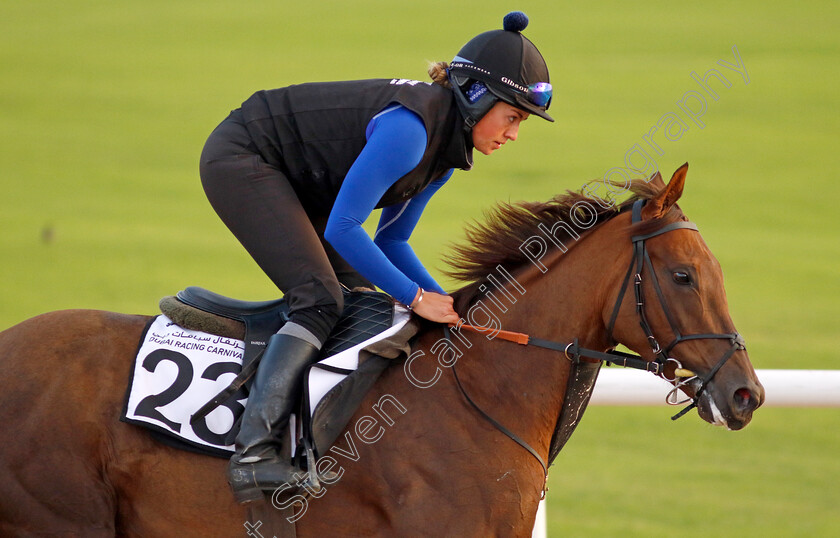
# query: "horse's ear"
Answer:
x=667 y=197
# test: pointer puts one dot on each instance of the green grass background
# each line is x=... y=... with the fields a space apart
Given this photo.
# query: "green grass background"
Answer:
x=104 y=108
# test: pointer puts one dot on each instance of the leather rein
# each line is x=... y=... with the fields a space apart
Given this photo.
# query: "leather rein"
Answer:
x=574 y=353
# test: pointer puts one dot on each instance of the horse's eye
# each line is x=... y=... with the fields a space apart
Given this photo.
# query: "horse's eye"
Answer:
x=681 y=277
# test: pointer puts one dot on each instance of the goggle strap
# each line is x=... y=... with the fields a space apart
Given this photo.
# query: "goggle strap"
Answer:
x=534 y=93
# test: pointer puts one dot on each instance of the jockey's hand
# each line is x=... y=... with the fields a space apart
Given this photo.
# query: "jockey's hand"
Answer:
x=434 y=307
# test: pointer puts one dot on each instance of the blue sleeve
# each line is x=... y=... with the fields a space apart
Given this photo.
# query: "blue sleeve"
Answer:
x=395 y=227
x=396 y=141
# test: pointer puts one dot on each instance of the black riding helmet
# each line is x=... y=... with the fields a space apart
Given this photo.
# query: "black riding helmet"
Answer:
x=500 y=64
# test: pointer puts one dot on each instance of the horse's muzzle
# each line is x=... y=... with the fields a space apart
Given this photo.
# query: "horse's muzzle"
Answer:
x=731 y=407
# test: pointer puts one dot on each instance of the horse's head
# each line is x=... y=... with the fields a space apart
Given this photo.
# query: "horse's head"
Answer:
x=672 y=308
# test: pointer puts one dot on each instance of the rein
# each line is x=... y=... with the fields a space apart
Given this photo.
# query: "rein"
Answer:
x=574 y=353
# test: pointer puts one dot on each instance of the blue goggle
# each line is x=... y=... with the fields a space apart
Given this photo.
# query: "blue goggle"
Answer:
x=540 y=93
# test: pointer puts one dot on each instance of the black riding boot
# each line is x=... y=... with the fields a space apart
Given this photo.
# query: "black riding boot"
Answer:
x=259 y=463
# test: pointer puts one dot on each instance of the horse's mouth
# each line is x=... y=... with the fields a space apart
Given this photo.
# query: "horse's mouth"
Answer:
x=721 y=415
x=709 y=411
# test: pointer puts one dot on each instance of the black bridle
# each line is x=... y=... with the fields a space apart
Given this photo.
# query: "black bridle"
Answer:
x=638 y=263
x=575 y=353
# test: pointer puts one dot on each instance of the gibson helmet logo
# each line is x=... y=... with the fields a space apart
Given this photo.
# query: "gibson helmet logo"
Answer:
x=515 y=85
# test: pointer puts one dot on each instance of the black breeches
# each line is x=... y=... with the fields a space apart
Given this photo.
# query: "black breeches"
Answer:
x=258 y=204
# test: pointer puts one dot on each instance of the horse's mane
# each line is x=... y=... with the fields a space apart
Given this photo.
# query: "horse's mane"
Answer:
x=508 y=226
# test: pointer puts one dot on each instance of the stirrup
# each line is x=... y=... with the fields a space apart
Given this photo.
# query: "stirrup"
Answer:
x=246 y=487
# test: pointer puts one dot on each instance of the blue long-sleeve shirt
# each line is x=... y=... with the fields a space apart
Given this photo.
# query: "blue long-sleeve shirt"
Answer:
x=396 y=141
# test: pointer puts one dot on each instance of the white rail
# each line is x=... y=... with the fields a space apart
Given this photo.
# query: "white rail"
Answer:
x=784 y=388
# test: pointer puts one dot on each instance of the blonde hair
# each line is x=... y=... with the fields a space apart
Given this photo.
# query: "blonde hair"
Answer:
x=437 y=71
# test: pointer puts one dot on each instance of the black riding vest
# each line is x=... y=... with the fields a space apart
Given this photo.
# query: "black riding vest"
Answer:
x=314 y=132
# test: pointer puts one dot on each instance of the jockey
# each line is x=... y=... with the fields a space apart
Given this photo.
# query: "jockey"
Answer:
x=295 y=171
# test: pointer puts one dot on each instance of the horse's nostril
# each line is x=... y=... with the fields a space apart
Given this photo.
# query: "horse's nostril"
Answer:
x=744 y=399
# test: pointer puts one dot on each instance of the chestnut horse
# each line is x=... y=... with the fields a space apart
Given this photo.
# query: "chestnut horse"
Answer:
x=417 y=458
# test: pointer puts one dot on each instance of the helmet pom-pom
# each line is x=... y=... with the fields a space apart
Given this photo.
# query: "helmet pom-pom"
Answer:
x=515 y=21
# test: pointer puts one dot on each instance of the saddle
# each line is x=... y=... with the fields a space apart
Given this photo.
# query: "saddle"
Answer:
x=366 y=314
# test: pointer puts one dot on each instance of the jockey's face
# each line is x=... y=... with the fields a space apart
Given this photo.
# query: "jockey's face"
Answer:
x=498 y=126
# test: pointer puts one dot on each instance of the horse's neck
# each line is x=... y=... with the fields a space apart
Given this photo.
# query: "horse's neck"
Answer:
x=525 y=385
x=568 y=300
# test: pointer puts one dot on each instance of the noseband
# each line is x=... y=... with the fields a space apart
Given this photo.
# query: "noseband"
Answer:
x=638 y=263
